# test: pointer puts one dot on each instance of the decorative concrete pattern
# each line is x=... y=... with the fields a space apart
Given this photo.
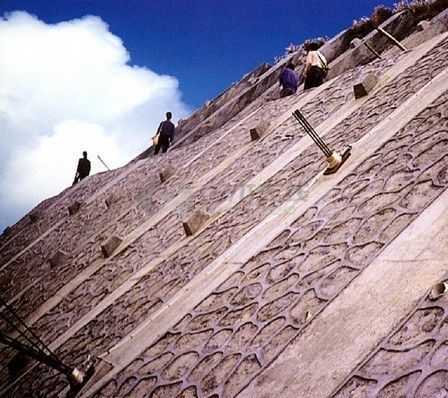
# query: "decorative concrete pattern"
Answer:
x=412 y=362
x=355 y=322
x=242 y=326
x=168 y=231
x=167 y=274
x=86 y=191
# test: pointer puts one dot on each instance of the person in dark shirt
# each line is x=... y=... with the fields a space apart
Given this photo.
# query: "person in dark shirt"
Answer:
x=166 y=134
x=289 y=80
x=83 y=169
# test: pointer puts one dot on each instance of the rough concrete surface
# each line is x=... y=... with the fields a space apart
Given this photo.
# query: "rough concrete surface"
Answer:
x=296 y=284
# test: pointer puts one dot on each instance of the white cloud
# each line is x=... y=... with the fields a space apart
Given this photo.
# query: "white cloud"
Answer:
x=52 y=161
x=65 y=88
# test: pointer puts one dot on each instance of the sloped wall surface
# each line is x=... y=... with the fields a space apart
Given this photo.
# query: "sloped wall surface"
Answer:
x=245 y=305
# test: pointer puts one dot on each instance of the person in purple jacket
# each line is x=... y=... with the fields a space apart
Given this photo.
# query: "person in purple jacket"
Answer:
x=289 y=80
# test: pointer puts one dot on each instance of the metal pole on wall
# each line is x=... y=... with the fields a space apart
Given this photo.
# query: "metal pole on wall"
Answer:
x=392 y=39
x=334 y=159
x=29 y=344
x=373 y=50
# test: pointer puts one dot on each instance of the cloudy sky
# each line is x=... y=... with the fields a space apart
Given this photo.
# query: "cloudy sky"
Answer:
x=99 y=75
x=65 y=88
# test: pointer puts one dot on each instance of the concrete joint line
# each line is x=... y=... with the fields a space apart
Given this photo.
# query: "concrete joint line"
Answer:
x=346 y=318
x=426 y=95
x=22 y=292
x=220 y=138
x=63 y=292
x=153 y=220
x=71 y=188
x=182 y=197
x=276 y=123
x=59 y=295
x=139 y=231
x=60 y=222
x=300 y=148
x=322 y=129
x=118 y=178
x=127 y=242
x=117 y=293
x=12 y=238
x=129 y=239
x=297 y=149
x=389 y=75
x=31 y=245
x=126 y=286
x=421 y=260
x=263 y=233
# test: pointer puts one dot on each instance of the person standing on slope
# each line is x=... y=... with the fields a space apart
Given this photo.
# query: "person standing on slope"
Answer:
x=315 y=67
x=165 y=133
x=83 y=169
x=289 y=80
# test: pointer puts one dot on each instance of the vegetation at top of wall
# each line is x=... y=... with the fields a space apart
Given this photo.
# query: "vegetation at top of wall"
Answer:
x=419 y=9
x=422 y=9
x=300 y=49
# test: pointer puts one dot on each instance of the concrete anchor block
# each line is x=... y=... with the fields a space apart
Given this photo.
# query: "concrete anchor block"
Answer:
x=356 y=43
x=423 y=25
x=7 y=231
x=74 y=207
x=438 y=290
x=365 y=86
x=431 y=28
x=110 y=200
x=57 y=259
x=110 y=245
x=166 y=173
x=196 y=221
x=259 y=131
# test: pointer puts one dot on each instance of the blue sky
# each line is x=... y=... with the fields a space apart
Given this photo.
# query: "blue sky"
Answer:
x=206 y=44
x=99 y=75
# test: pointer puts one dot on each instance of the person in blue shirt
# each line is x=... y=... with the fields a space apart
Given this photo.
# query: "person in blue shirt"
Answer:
x=166 y=134
x=289 y=80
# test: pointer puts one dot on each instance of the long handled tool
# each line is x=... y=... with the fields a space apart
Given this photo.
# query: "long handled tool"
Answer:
x=333 y=158
x=105 y=165
x=28 y=343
